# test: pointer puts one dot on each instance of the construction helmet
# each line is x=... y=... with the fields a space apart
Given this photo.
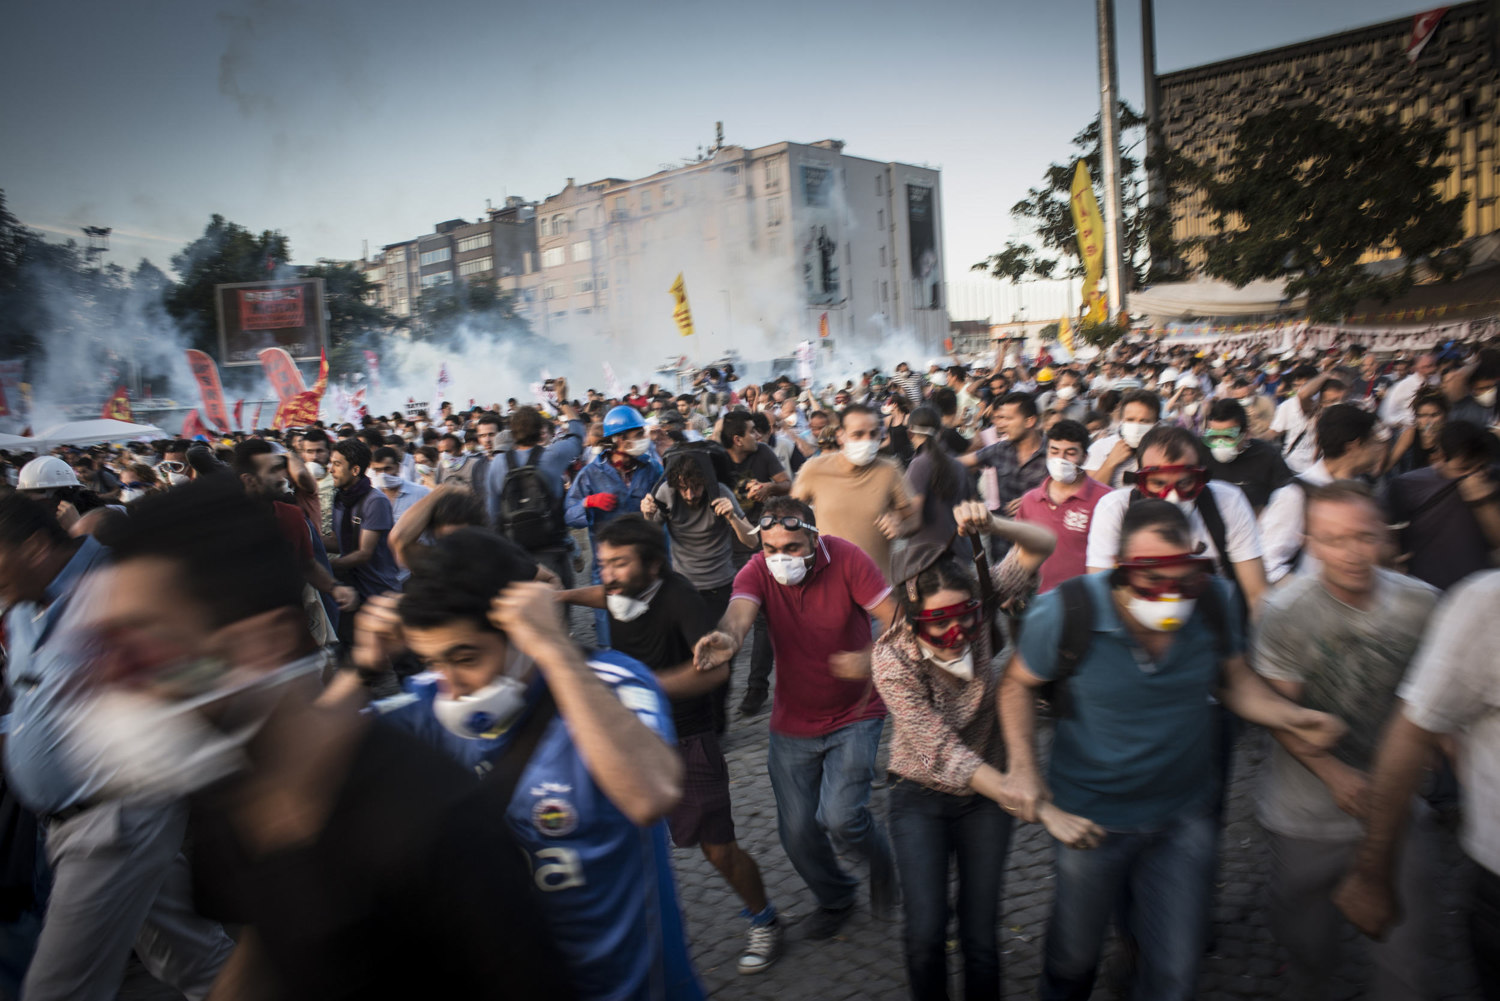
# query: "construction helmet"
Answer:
x=622 y=419
x=46 y=472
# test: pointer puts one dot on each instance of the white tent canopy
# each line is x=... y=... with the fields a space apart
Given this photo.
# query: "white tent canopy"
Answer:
x=1207 y=297
x=94 y=431
x=16 y=443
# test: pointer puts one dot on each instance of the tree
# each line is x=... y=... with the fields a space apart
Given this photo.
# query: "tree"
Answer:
x=354 y=323
x=226 y=253
x=442 y=310
x=1047 y=210
x=1305 y=198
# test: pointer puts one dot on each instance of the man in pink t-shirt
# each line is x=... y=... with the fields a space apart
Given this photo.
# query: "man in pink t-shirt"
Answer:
x=1064 y=502
x=818 y=594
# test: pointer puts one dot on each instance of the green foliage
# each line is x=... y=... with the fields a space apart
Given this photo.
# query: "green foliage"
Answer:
x=443 y=309
x=225 y=254
x=1101 y=335
x=1047 y=210
x=1304 y=198
x=1050 y=332
x=354 y=323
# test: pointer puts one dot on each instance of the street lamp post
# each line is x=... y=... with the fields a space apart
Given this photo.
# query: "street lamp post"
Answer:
x=1109 y=144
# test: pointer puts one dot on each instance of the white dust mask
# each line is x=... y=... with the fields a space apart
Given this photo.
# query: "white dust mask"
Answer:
x=1062 y=470
x=961 y=667
x=789 y=570
x=1164 y=615
x=861 y=453
x=1131 y=432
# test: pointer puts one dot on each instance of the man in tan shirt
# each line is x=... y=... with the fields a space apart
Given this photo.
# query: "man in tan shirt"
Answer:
x=858 y=496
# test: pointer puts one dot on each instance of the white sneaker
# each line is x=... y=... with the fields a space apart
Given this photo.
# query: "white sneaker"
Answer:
x=763 y=949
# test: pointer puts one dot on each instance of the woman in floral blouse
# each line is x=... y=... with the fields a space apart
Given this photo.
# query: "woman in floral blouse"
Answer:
x=937 y=673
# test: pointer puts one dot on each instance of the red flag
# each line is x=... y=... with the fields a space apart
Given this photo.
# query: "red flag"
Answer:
x=192 y=427
x=117 y=407
x=285 y=379
x=207 y=374
x=256 y=422
x=372 y=362
x=1422 y=28
x=823 y=325
x=303 y=408
x=239 y=415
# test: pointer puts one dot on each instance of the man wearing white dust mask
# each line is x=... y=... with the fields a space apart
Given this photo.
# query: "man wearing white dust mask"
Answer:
x=576 y=747
x=1112 y=457
x=1135 y=654
x=818 y=593
x=858 y=495
x=207 y=686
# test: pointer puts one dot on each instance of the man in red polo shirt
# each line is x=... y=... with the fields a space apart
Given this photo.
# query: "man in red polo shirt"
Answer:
x=1064 y=502
x=818 y=594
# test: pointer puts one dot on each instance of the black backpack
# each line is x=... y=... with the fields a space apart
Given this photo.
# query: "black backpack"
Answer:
x=1078 y=635
x=527 y=513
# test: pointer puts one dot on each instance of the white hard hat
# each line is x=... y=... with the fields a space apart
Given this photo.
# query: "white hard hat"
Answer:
x=47 y=473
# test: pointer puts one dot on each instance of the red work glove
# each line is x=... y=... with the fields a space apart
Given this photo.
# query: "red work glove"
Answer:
x=602 y=502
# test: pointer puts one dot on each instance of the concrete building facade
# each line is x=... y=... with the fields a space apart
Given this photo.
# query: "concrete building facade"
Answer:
x=1454 y=82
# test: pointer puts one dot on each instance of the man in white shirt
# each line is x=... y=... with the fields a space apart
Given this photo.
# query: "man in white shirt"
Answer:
x=1294 y=418
x=1172 y=469
x=1112 y=457
x=1395 y=409
x=1346 y=437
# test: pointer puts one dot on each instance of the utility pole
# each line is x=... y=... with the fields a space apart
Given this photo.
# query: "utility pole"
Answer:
x=1156 y=195
x=1109 y=140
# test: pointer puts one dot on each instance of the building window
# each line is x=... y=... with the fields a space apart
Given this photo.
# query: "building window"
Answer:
x=581 y=220
x=441 y=278
x=554 y=257
x=475 y=266
x=559 y=225
x=436 y=256
x=543 y=226
x=549 y=291
x=771 y=173
x=645 y=199
x=583 y=250
x=583 y=285
x=879 y=185
x=885 y=291
x=602 y=283
x=666 y=194
x=882 y=257
x=619 y=211
x=476 y=242
x=732 y=181
x=773 y=212
x=880 y=220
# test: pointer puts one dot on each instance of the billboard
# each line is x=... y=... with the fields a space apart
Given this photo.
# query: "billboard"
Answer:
x=921 y=224
x=254 y=316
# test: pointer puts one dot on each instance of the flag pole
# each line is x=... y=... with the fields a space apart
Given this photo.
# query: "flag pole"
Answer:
x=1109 y=143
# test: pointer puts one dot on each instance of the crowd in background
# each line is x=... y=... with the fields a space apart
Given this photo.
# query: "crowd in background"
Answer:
x=337 y=661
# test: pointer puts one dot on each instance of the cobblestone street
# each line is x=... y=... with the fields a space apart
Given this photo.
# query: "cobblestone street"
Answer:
x=865 y=961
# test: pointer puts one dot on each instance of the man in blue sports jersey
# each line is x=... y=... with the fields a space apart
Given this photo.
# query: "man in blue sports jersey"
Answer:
x=590 y=798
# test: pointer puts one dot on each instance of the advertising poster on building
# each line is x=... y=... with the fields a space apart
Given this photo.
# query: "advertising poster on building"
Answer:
x=921 y=223
x=254 y=316
x=818 y=252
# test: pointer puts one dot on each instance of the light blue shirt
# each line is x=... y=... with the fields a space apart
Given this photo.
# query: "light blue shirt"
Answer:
x=556 y=459
x=46 y=660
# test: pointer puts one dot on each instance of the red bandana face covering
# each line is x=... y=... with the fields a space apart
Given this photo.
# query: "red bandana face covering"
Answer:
x=1143 y=577
x=1188 y=481
x=962 y=620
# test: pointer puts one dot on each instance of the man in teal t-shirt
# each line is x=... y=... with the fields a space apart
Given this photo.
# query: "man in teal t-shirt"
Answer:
x=1136 y=753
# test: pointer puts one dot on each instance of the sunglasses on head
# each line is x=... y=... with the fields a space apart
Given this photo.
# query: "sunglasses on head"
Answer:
x=1188 y=481
x=789 y=522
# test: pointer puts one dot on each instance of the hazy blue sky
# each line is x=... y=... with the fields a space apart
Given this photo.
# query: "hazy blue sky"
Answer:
x=338 y=122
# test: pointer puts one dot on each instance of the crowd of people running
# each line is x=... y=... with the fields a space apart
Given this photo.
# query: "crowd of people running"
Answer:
x=305 y=713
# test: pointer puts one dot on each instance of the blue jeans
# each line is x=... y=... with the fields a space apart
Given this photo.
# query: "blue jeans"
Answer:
x=1164 y=878
x=822 y=789
x=927 y=828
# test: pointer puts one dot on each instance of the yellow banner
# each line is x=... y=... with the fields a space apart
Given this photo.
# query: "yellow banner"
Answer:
x=1065 y=333
x=680 y=312
x=1088 y=224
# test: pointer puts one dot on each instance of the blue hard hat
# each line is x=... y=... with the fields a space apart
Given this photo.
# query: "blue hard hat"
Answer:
x=622 y=419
